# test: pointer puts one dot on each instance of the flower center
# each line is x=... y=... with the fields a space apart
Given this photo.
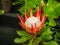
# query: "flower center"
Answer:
x=32 y=21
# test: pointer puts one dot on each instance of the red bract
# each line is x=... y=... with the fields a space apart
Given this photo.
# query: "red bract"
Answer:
x=32 y=24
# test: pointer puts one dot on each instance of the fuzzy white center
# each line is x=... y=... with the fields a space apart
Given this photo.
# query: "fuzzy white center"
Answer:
x=32 y=21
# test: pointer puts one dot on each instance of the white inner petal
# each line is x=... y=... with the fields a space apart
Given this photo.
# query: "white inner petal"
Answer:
x=32 y=21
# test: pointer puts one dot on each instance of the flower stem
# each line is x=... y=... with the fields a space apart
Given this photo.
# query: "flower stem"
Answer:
x=34 y=38
x=43 y=42
x=36 y=43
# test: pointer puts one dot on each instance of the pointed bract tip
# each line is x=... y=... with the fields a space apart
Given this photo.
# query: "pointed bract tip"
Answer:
x=30 y=11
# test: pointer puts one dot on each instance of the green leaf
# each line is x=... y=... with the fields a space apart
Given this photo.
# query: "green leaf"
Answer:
x=30 y=3
x=55 y=16
x=45 y=1
x=52 y=22
x=1 y=12
x=22 y=33
x=21 y=10
x=47 y=32
x=20 y=40
x=31 y=42
x=57 y=10
x=47 y=37
x=49 y=10
x=18 y=2
x=15 y=3
x=52 y=8
x=39 y=39
x=57 y=36
x=52 y=3
x=38 y=3
x=51 y=43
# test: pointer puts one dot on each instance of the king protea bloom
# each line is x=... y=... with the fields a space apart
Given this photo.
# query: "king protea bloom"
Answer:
x=32 y=24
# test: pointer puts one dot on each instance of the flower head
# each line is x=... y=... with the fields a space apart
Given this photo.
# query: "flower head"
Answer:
x=32 y=24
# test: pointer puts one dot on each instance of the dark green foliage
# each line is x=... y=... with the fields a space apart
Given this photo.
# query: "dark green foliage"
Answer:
x=52 y=11
x=1 y=12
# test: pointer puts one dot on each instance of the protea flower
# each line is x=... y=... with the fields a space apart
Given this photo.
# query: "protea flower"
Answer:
x=33 y=23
